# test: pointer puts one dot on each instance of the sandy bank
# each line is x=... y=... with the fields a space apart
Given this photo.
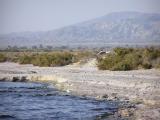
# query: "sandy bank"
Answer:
x=139 y=86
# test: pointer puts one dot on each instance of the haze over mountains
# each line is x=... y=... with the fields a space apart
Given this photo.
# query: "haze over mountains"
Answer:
x=120 y=27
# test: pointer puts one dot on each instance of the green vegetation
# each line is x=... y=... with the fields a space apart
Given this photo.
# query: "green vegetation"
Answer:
x=2 y=57
x=25 y=59
x=119 y=59
x=53 y=59
x=130 y=59
x=45 y=59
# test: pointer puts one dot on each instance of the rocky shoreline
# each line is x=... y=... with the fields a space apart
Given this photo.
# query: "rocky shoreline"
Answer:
x=138 y=87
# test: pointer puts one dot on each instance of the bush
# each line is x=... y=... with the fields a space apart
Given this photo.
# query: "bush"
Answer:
x=157 y=66
x=109 y=62
x=147 y=65
x=121 y=66
x=55 y=58
x=47 y=59
x=123 y=51
x=133 y=59
x=3 y=58
x=60 y=59
x=25 y=59
x=130 y=59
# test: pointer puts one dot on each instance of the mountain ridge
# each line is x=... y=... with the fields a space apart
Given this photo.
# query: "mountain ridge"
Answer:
x=119 y=27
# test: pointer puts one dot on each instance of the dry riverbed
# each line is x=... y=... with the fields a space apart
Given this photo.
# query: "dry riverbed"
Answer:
x=140 y=87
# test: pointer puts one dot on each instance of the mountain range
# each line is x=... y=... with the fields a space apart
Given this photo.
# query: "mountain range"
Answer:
x=113 y=28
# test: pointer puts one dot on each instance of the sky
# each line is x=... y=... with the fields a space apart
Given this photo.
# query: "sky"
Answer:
x=44 y=15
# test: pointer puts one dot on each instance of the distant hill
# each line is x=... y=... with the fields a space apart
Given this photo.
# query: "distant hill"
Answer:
x=120 y=27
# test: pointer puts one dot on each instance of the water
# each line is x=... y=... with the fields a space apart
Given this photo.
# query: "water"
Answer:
x=36 y=101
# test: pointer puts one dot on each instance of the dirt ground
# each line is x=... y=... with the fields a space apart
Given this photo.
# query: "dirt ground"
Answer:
x=140 y=87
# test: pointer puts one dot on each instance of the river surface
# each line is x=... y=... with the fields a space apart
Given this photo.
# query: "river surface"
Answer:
x=38 y=101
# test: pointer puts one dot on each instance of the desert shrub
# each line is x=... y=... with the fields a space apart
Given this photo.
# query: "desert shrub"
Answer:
x=147 y=65
x=36 y=61
x=55 y=58
x=25 y=59
x=40 y=60
x=133 y=59
x=13 y=59
x=123 y=51
x=130 y=59
x=105 y=64
x=43 y=61
x=60 y=59
x=151 y=53
x=108 y=62
x=156 y=63
x=121 y=66
x=3 y=58
x=49 y=59
x=157 y=66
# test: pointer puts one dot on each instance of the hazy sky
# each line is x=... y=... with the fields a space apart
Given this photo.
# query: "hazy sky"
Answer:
x=41 y=15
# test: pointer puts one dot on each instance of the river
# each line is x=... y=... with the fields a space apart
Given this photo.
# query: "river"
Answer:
x=40 y=101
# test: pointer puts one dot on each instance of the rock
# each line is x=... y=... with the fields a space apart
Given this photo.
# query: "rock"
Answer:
x=23 y=79
x=15 y=79
x=105 y=96
x=126 y=112
x=113 y=96
x=3 y=79
x=68 y=91
x=33 y=71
